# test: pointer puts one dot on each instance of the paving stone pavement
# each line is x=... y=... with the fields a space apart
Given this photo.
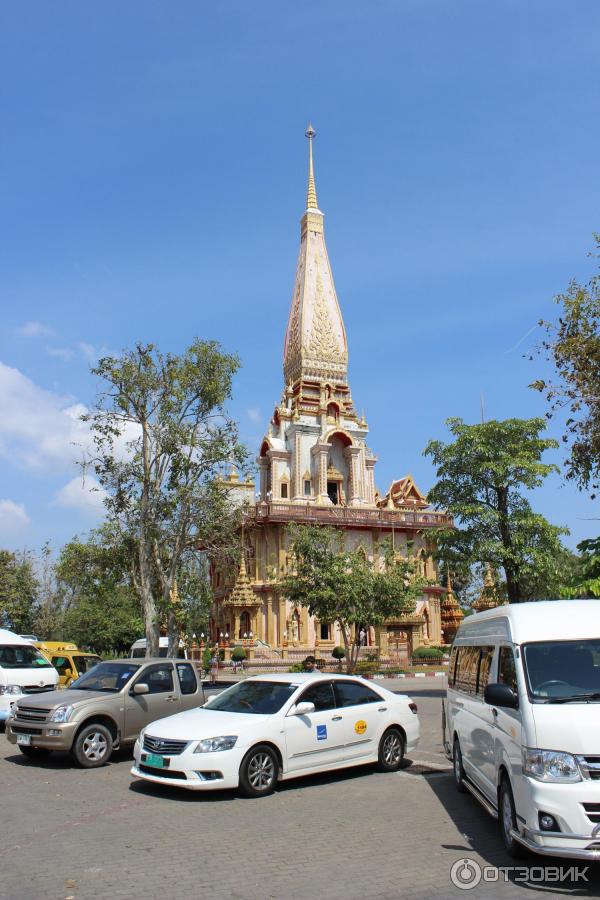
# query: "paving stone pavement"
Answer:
x=70 y=833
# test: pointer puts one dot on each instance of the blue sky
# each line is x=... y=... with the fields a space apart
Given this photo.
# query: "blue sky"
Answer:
x=152 y=174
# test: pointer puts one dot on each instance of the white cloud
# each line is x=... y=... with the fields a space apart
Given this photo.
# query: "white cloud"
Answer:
x=12 y=517
x=39 y=429
x=253 y=414
x=85 y=495
x=35 y=329
x=60 y=352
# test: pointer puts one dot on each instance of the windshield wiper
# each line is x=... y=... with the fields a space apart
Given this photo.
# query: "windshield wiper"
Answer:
x=573 y=698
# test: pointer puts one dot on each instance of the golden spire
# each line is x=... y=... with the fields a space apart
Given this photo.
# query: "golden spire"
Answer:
x=311 y=194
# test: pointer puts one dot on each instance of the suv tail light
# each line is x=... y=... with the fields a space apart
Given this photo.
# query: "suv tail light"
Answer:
x=413 y=708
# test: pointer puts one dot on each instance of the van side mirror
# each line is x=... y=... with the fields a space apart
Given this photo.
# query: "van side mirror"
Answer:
x=140 y=688
x=303 y=709
x=500 y=695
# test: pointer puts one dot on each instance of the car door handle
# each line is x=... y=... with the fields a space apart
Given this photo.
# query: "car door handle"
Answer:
x=494 y=712
x=382 y=709
x=336 y=718
x=171 y=699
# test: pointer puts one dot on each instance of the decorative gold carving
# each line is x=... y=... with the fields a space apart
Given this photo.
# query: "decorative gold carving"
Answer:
x=323 y=341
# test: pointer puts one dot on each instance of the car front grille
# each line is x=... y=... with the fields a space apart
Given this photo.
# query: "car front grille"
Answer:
x=38 y=688
x=30 y=713
x=590 y=766
x=162 y=773
x=592 y=811
x=26 y=729
x=164 y=745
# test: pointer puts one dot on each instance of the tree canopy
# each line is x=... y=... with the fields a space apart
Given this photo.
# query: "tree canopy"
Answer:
x=572 y=346
x=341 y=585
x=483 y=476
x=162 y=438
x=18 y=592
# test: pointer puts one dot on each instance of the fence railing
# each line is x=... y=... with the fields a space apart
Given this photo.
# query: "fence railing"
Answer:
x=344 y=515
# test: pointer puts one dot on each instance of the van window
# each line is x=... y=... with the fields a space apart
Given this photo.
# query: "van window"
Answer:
x=452 y=666
x=61 y=664
x=466 y=669
x=507 y=673
x=485 y=662
x=22 y=656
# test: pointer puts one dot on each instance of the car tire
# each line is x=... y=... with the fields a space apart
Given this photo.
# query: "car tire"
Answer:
x=93 y=746
x=391 y=750
x=34 y=752
x=259 y=772
x=457 y=765
x=507 y=819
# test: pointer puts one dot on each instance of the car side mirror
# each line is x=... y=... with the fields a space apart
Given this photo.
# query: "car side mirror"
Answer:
x=500 y=695
x=210 y=699
x=303 y=709
x=140 y=688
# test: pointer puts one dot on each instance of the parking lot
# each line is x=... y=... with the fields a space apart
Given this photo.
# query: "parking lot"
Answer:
x=73 y=833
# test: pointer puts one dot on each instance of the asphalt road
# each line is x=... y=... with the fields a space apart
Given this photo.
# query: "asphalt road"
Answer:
x=66 y=832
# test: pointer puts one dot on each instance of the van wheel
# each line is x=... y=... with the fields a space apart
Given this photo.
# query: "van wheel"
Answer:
x=507 y=818
x=391 y=750
x=459 y=772
x=93 y=746
x=34 y=752
x=259 y=772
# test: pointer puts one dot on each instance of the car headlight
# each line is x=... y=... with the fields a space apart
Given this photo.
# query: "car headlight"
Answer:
x=61 y=714
x=550 y=765
x=14 y=689
x=211 y=745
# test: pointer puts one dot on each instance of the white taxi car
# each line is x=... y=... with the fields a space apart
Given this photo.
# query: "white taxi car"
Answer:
x=273 y=727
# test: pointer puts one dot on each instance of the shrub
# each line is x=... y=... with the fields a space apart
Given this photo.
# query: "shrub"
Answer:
x=297 y=667
x=238 y=654
x=366 y=667
x=432 y=654
x=206 y=658
x=338 y=652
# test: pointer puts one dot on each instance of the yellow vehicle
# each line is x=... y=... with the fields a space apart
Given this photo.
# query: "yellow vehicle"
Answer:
x=69 y=661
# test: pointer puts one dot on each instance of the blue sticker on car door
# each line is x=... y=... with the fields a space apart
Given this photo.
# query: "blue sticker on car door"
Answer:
x=321 y=732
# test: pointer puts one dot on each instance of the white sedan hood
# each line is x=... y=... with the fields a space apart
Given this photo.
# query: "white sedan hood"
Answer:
x=199 y=723
x=571 y=727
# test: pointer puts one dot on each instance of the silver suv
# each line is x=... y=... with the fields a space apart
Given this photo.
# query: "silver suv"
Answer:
x=104 y=708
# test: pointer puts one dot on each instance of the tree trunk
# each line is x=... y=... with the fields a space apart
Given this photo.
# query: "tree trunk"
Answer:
x=173 y=632
x=513 y=587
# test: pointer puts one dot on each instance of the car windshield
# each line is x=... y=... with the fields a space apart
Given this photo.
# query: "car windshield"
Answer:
x=106 y=676
x=563 y=671
x=260 y=697
x=22 y=656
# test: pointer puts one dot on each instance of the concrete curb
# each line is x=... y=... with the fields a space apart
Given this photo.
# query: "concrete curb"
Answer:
x=413 y=675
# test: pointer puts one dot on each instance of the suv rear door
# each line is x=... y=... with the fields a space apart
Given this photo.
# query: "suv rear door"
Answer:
x=190 y=687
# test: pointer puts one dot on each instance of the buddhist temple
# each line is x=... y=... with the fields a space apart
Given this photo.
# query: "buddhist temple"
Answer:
x=452 y=614
x=316 y=465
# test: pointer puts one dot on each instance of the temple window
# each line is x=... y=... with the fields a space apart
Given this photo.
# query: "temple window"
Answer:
x=324 y=631
x=244 y=624
x=284 y=490
x=333 y=492
x=307 y=487
x=333 y=412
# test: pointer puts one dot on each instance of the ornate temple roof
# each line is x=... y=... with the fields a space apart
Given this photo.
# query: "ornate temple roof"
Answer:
x=242 y=593
x=490 y=596
x=452 y=614
x=403 y=494
x=315 y=339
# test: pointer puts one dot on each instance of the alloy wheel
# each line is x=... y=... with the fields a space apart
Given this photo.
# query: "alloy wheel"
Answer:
x=261 y=771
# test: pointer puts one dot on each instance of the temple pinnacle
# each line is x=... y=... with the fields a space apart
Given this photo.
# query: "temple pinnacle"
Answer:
x=311 y=194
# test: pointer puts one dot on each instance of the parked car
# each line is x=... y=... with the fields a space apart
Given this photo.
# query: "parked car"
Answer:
x=103 y=709
x=521 y=723
x=138 y=648
x=23 y=670
x=69 y=661
x=273 y=727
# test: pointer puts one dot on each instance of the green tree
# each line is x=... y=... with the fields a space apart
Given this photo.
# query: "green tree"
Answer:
x=340 y=585
x=99 y=607
x=572 y=345
x=18 y=592
x=585 y=580
x=483 y=475
x=162 y=438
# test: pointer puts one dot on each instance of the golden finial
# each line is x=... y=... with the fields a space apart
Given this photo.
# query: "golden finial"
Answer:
x=311 y=194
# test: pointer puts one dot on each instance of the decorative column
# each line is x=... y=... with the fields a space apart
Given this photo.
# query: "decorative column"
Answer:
x=352 y=455
x=263 y=464
x=321 y=452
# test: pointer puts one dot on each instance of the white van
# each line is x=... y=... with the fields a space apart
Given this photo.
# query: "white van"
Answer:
x=23 y=670
x=521 y=722
x=138 y=649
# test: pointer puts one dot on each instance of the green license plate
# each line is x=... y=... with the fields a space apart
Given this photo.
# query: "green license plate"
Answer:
x=153 y=759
